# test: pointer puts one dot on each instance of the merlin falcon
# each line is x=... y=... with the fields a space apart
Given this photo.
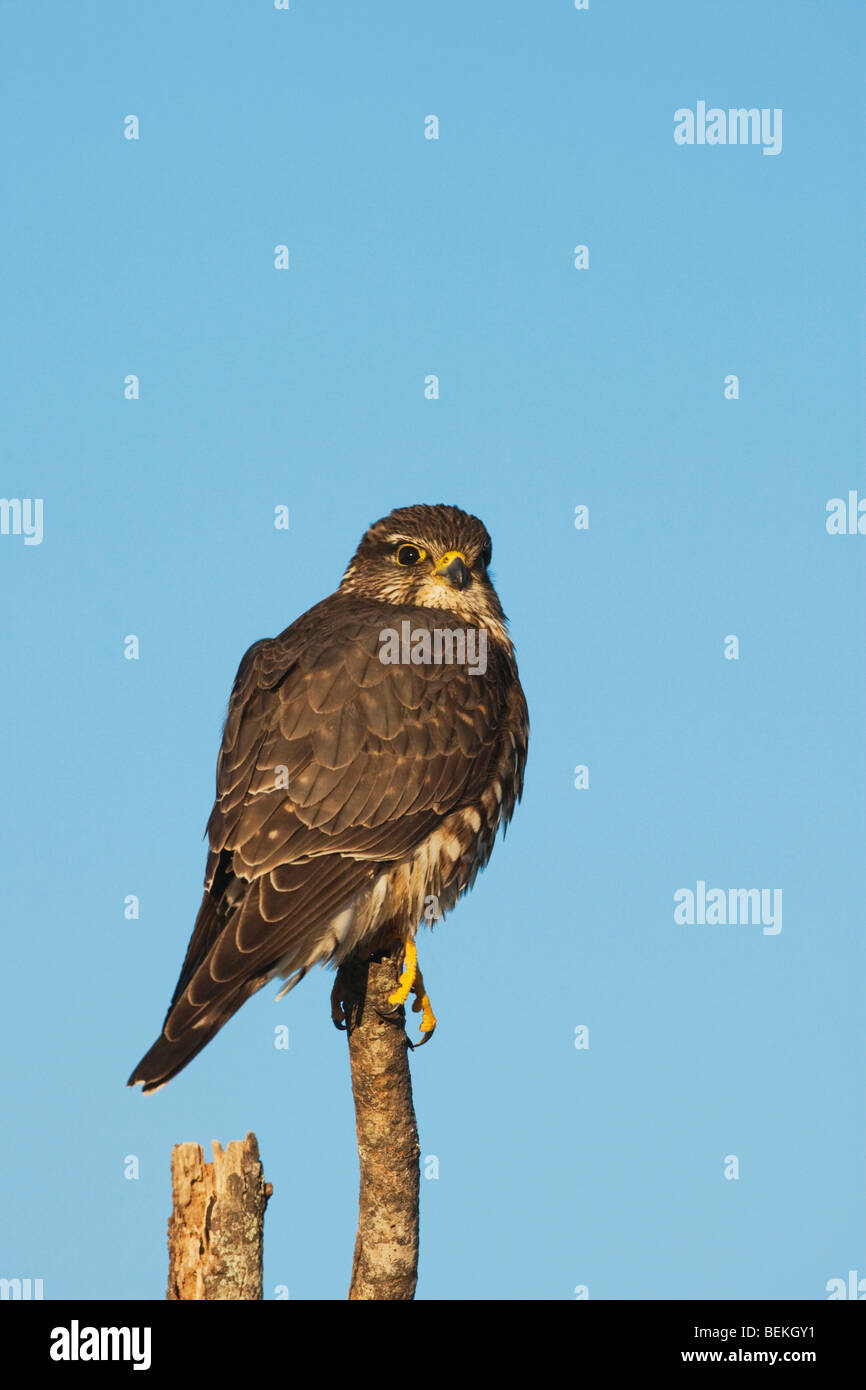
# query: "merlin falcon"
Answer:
x=370 y=754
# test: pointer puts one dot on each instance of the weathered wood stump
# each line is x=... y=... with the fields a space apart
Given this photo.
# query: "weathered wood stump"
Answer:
x=216 y=1226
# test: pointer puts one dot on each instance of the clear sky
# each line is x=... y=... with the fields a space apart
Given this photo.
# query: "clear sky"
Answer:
x=605 y=387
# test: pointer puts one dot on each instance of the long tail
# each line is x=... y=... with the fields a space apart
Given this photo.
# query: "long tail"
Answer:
x=187 y=1030
x=238 y=944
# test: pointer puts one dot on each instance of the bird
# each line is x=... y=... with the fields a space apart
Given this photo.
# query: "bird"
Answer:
x=370 y=754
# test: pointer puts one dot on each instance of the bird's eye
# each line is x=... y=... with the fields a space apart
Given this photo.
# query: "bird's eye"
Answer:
x=487 y=554
x=410 y=555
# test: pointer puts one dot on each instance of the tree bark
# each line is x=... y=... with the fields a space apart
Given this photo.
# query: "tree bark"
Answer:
x=215 y=1229
x=385 y=1264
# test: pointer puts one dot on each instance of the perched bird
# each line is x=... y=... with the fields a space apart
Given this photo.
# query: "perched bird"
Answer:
x=369 y=756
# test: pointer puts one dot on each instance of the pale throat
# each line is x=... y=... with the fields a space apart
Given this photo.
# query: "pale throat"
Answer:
x=470 y=606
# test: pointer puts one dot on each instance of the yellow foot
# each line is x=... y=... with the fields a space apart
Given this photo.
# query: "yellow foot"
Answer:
x=407 y=979
x=423 y=1006
x=412 y=982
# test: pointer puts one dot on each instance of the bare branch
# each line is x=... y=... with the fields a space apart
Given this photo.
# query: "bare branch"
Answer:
x=385 y=1264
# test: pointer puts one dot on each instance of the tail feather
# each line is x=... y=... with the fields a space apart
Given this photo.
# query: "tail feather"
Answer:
x=222 y=969
x=170 y=1054
x=166 y=1058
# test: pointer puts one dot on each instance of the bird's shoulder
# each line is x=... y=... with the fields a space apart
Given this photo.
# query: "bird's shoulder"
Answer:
x=372 y=641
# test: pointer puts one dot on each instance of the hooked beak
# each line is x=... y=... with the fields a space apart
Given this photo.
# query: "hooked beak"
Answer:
x=452 y=567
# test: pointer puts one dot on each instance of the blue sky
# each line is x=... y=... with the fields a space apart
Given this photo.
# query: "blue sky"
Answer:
x=558 y=1167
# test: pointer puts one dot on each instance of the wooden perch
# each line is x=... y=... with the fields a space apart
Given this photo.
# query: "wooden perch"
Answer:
x=215 y=1229
x=385 y=1264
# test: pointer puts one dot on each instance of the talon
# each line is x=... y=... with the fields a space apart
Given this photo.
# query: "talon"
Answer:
x=407 y=979
x=428 y=1019
x=339 y=1017
x=393 y=1016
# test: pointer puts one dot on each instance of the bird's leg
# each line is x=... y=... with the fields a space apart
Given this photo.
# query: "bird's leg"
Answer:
x=407 y=979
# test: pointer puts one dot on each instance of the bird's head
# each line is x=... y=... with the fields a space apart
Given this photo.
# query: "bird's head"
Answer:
x=428 y=557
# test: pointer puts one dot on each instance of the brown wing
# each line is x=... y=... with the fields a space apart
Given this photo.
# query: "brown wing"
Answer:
x=332 y=766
